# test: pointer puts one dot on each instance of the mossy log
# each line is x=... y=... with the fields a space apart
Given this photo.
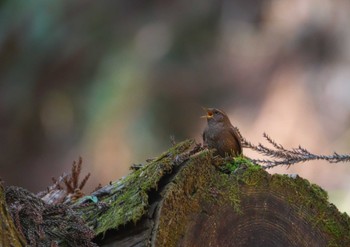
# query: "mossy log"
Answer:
x=9 y=235
x=186 y=197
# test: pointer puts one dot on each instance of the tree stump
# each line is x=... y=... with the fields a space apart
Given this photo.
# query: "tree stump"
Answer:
x=186 y=197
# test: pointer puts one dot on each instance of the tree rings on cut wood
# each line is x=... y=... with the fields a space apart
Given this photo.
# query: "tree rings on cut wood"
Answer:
x=205 y=207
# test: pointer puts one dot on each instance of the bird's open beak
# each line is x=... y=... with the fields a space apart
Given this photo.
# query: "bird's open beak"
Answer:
x=209 y=113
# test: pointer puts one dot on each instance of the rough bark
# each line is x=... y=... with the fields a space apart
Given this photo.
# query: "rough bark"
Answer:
x=9 y=235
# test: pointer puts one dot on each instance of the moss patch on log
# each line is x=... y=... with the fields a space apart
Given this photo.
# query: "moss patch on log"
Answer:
x=181 y=198
x=127 y=199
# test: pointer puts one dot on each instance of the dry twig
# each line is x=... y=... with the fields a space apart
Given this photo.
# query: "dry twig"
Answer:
x=282 y=156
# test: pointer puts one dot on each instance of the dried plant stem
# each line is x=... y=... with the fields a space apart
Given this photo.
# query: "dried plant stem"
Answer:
x=282 y=156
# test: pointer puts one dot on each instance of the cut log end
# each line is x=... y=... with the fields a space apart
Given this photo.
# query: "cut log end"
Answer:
x=204 y=207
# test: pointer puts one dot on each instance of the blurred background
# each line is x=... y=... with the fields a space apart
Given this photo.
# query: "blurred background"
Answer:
x=111 y=81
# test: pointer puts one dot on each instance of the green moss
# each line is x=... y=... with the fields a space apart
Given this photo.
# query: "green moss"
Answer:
x=333 y=228
x=234 y=197
x=224 y=189
x=298 y=190
x=253 y=176
x=184 y=196
x=241 y=170
x=128 y=197
x=236 y=163
x=231 y=166
x=241 y=160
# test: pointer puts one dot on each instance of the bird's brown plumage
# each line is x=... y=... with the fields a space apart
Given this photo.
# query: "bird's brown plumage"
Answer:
x=220 y=134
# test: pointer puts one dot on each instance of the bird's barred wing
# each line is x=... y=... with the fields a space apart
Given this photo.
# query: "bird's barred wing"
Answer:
x=237 y=139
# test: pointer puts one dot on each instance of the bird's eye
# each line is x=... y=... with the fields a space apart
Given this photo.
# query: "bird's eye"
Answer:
x=216 y=112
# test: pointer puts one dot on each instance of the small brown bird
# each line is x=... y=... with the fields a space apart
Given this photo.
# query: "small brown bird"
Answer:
x=220 y=134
